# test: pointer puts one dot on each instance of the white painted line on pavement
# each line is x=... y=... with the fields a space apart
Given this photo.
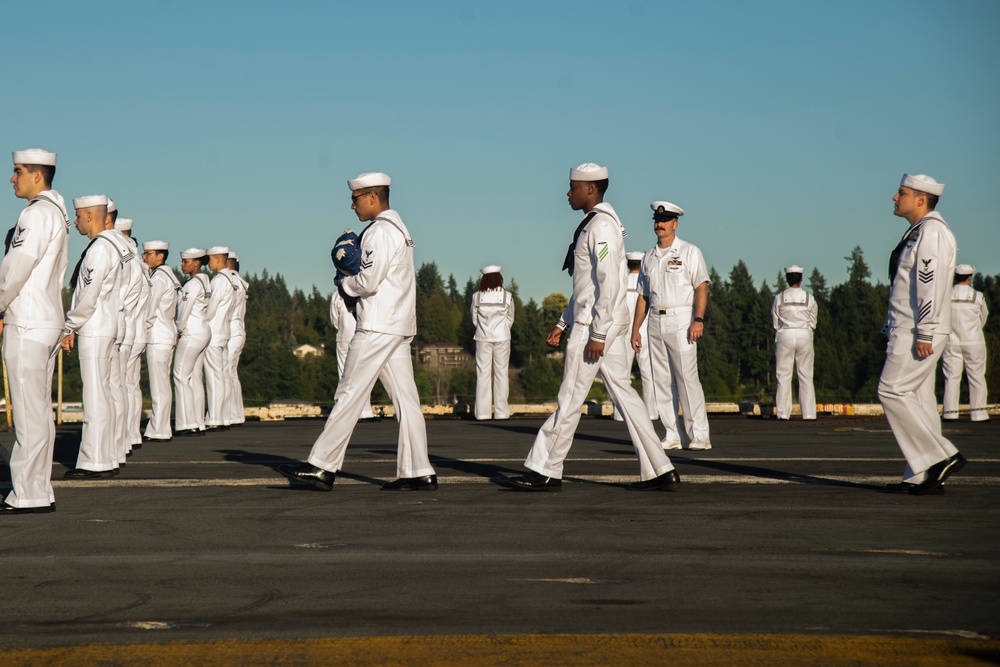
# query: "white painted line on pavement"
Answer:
x=749 y=480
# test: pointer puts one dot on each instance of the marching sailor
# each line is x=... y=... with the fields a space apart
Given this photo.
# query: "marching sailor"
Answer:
x=597 y=319
x=793 y=314
x=385 y=288
x=916 y=330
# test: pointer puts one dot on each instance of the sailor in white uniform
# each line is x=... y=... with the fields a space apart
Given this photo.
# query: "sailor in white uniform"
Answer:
x=136 y=310
x=597 y=319
x=343 y=321
x=193 y=334
x=634 y=261
x=673 y=291
x=161 y=337
x=93 y=324
x=916 y=330
x=966 y=347
x=220 y=310
x=31 y=318
x=237 y=339
x=385 y=289
x=130 y=290
x=493 y=316
x=793 y=314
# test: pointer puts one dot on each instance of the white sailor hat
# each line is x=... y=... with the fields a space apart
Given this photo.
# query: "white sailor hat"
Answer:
x=369 y=179
x=112 y=207
x=635 y=256
x=923 y=183
x=218 y=250
x=34 y=156
x=234 y=256
x=667 y=208
x=588 y=171
x=492 y=268
x=794 y=268
x=965 y=270
x=193 y=253
x=123 y=224
x=156 y=245
x=90 y=200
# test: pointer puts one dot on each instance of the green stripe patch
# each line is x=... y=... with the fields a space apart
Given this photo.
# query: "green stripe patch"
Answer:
x=602 y=254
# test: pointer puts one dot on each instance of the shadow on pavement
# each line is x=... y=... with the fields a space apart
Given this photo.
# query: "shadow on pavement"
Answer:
x=768 y=473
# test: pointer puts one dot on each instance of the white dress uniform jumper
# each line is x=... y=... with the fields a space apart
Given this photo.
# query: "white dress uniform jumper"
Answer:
x=135 y=340
x=966 y=347
x=380 y=349
x=94 y=318
x=793 y=314
x=237 y=339
x=217 y=376
x=668 y=280
x=645 y=370
x=343 y=321
x=597 y=311
x=493 y=315
x=161 y=339
x=31 y=280
x=194 y=334
x=130 y=291
x=920 y=272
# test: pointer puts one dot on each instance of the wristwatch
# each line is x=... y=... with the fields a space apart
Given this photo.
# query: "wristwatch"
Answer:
x=699 y=319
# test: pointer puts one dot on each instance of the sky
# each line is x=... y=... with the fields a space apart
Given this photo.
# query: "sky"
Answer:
x=782 y=128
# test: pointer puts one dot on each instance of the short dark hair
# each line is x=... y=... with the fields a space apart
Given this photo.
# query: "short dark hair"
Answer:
x=633 y=263
x=794 y=278
x=48 y=171
x=114 y=215
x=380 y=191
x=602 y=185
x=932 y=200
x=165 y=253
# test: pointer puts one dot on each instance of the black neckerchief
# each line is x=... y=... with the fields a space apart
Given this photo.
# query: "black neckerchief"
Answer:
x=76 y=270
x=568 y=262
x=10 y=232
x=898 y=250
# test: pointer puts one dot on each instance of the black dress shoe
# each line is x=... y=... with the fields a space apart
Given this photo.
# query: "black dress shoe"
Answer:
x=425 y=483
x=10 y=509
x=82 y=473
x=148 y=439
x=533 y=481
x=310 y=474
x=668 y=481
x=138 y=446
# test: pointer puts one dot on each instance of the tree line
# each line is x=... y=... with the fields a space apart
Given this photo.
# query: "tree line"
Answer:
x=735 y=356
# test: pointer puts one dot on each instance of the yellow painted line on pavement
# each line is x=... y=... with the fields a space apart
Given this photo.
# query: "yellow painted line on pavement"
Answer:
x=693 y=650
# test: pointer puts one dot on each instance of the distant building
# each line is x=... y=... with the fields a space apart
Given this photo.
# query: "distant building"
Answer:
x=442 y=355
x=303 y=351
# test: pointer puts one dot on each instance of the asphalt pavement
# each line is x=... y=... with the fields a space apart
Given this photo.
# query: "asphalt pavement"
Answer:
x=777 y=530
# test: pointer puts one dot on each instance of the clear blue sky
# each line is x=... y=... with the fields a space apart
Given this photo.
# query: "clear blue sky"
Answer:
x=781 y=127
